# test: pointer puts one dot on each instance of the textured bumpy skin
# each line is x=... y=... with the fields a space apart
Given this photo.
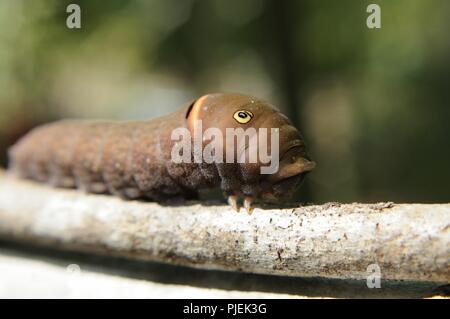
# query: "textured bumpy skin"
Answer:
x=133 y=159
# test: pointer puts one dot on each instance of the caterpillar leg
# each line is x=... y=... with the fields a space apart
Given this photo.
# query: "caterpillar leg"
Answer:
x=233 y=202
x=97 y=187
x=131 y=193
x=90 y=186
x=126 y=193
x=248 y=200
x=59 y=180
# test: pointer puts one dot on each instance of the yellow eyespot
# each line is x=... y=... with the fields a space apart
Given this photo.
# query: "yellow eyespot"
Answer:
x=243 y=116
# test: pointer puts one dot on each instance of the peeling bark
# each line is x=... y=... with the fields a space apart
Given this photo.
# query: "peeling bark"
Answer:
x=407 y=241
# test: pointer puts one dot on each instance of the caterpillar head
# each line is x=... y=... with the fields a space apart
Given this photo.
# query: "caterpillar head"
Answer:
x=268 y=161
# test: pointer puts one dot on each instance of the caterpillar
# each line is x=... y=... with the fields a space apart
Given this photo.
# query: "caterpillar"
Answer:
x=133 y=159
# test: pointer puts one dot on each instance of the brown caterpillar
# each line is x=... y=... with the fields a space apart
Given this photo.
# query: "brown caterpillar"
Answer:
x=133 y=159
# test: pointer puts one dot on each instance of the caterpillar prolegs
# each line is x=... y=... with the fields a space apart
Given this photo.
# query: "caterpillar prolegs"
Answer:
x=135 y=159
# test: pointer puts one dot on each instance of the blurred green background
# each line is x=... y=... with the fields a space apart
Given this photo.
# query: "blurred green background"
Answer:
x=373 y=105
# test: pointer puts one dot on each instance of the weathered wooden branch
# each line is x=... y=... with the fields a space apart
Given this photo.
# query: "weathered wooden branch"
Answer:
x=407 y=241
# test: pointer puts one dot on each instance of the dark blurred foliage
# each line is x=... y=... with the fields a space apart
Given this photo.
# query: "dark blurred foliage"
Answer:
x=373 y=105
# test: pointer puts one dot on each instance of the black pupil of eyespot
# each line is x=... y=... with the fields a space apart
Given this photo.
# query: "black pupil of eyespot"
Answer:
x=242 y=115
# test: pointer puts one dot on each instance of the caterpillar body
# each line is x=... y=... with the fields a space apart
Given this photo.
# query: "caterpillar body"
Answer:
x=133 y=159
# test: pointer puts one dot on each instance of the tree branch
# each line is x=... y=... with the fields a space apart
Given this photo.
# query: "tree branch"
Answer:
x=407 y=241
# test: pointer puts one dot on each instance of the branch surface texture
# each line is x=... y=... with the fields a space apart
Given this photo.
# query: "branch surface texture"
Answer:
x=407 y=241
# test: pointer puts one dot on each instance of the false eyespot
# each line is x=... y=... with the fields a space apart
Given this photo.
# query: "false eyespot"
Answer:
x=243 y=116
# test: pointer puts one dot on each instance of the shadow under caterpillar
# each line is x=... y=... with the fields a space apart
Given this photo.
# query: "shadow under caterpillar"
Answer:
x=133 y=159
